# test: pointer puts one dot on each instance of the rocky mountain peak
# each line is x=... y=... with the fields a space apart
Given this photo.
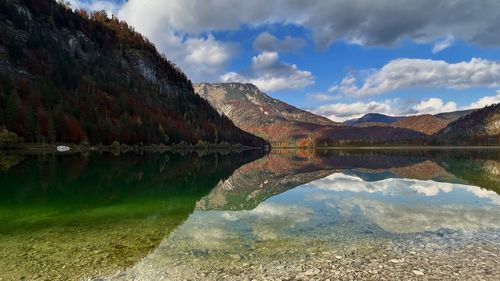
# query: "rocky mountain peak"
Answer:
x=254 y=111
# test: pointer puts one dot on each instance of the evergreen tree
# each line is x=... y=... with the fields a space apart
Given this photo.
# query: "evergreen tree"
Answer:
x=11 y=109
x=32 y=121
x=51 y=131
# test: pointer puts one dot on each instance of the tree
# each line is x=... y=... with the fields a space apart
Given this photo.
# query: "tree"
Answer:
x=32 y=124
x=6 y=84
x=7 y=139
x=11 y=109
x=73 y=130
x=51 y=130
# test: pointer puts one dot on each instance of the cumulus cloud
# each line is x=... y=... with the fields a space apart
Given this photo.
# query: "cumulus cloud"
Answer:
x=485 y=101
x=200 y=56
x=434 y=106
x=424 y=73
x=344 y=111
x=266 y=42
x=397 y=107
x=270 y=74
x=205 y=56
x=357 y=21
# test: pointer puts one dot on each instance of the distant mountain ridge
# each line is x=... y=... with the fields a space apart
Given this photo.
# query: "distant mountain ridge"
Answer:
x=426 y=123
x=373 y=118
x=285 y=125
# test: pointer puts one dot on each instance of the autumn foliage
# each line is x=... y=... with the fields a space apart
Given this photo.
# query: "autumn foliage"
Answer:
x=74 y=76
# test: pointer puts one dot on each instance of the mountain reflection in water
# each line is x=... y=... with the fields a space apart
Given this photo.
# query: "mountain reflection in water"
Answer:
x=154 y=217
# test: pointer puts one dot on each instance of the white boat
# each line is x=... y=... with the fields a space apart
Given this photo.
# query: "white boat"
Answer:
x=63 y=148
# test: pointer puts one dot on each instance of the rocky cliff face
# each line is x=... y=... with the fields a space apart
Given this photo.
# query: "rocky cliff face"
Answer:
x=78 y=77
x=241 y=102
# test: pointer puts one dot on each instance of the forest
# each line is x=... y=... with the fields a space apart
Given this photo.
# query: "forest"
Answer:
x=78 y=77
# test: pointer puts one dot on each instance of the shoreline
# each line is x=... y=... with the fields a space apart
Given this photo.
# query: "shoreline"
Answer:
x=447 y=147
x=125 y=148
x=161 y=148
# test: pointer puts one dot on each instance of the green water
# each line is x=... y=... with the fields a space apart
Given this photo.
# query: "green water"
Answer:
x=154 y=216
x=65 y=217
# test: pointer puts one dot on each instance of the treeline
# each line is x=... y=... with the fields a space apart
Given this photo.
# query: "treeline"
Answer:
x=74 y=76
x=481 y=127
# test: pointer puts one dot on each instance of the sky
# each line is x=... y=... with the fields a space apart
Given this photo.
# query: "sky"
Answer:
x=337 y=58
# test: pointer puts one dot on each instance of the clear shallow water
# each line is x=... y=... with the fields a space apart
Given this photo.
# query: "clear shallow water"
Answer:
x=289 y=215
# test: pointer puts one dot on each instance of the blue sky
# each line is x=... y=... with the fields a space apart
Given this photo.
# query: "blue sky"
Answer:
x=337 y=58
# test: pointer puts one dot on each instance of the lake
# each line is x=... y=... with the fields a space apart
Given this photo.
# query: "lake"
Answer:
x=287 y=215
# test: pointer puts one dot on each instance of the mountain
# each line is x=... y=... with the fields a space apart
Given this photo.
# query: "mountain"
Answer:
x=372 y=118
x=71 y=76
x=284 y=125
x=255 y=182
x=255 y=112
x=426 y=124
x=240 y=102
x=481 y=127
x=452 y=116
x=282 y=170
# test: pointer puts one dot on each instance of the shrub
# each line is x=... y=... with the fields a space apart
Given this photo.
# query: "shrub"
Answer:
x=8 y=139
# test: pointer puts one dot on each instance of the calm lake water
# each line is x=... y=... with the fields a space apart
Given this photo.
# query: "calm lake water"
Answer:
x=288 y=215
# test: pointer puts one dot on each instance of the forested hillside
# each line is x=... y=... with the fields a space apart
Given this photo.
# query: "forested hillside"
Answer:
x=481 y=127
x=72 y=76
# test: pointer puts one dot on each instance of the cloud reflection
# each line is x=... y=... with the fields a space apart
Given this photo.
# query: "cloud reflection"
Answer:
x=340 y=182
x=396 y=205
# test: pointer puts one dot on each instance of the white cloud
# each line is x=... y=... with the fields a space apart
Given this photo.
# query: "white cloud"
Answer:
x=200 y=56
x=99 y=5
x=424 y=73
x=270 y=74
x=333 y=89
x=206 y=51
x=320 y=97
x=437 y=211
x=206 y=57
x=434 y=106
x=485 y=101
x=442 y=45
x=266 y=42
x=340 y=182
x=394 y=107
x=356 y=21
x=344 y=111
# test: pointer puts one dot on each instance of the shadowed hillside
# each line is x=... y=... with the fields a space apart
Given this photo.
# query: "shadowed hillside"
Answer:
x=481 y=127
x=76 y=77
